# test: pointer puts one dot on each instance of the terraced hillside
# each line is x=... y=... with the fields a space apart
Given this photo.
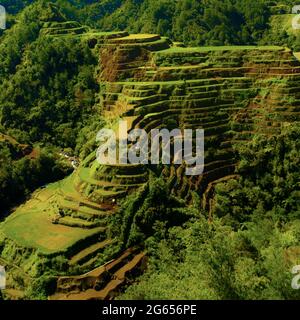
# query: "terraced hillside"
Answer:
x=147 y=80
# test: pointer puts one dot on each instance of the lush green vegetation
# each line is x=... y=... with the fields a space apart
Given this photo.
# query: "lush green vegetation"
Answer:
x=210 y=22
x=250 y=247
x=54 y=81
x=153 y=208
x=47 y=85
x=269 y=183
x=47 y=92
x=51 y=81
x=21 y=174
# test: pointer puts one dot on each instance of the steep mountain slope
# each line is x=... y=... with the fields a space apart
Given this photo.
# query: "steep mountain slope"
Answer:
x=231 y=92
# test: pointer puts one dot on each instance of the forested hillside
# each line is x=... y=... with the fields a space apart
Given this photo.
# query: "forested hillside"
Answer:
x=70 y=68
x=207 y=22
x=254 y=236
x=53 y=82
x=47 y=92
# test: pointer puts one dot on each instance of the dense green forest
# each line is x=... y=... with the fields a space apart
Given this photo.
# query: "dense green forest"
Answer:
x=207 y=22
x=49 y=101
x=47 y=92
x=47 y=86
x=254 y=235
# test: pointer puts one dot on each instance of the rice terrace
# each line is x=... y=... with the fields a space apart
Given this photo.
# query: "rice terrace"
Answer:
x=109 y=231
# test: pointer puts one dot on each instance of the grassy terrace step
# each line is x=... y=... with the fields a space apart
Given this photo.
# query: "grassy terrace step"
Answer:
x=79 y=223
x=103 y=35
x=130 y=64
x=83 y=202
x=87 y=253
x=199 y=109
x=90 y=279
x=207 y=125
x=62 y=25
x=145 y=123
x=69 y=191
x=222 y=49
x=113 y=183
x=95 y=235
x=46 y=237
x=136 y=38
x=91 y=263
x=191 y=113
x=88 y=211
x=152 y=124
x=85 y=175
x=133 y=85
x=216 y=87
x=202 y=73
x=122 y=169
x=121 y=275
x=110 y=288
x=195 y=96
x=58 y=31
x=139 y=93
x=286 y=63
x=152 y=108
x=281 y=70
x=138 y=101
x=287 y=75
x=288 y=90
x=107 y=196
x=157 y=45
x=194 y=103
x=131 y=179
x=204 y=118
x=156 y=85
x=281 y=102
x=199 y=95
x=87 y=162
